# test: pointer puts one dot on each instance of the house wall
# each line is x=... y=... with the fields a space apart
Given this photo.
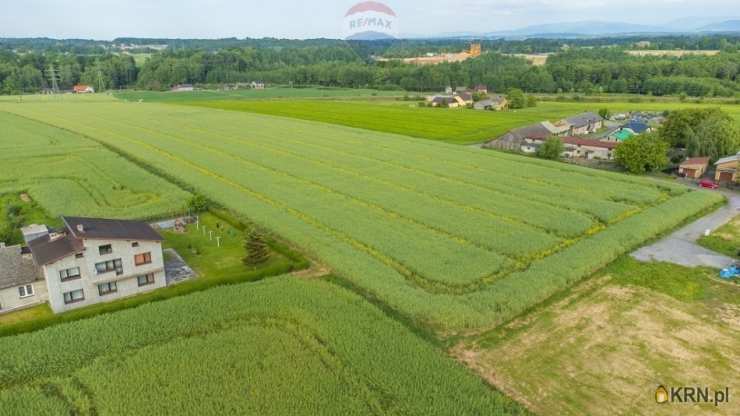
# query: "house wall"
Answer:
x=588 y=152
x=729 y=166
x=10 y=299
x=126 y=282
x=692 y=171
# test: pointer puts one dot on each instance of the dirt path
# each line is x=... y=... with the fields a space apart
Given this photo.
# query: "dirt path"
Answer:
x=681 y=248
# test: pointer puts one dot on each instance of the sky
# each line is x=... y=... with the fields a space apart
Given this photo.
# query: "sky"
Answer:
x=108 y=19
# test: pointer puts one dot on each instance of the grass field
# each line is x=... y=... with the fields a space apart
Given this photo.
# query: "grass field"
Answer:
x=225 y=351
x=725 y=240
x=451 y=237
x=250 y=94
x=460 y=126
x=67 y=174
x=605 y=346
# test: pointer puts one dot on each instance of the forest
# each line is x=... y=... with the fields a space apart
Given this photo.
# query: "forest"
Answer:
x=580 y=66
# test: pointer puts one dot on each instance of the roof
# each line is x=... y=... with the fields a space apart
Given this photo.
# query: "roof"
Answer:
x=694 y=161
x=584 y=119
x=578 y=141
x=637 y=126
x=16 y=270
x=623 y=134
x=465 y=95
x=556 y=128
x=46 y=250
x=534 y=131
x=105 y=229
x=728 y=159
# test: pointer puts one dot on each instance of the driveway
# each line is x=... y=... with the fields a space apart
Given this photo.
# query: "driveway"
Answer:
x=681 y=248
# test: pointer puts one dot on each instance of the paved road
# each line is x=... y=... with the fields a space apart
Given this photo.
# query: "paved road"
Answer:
x=681 y=248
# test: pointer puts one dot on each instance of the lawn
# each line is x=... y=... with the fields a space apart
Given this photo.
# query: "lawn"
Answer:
x=603 y=347
x=251 y=94
x=459 y=126
x=725 y=240
x=18 y=210
x=281 y=346
x=452 y=238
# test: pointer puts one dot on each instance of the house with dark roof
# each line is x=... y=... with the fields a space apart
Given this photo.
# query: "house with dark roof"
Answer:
x=638 y=126
x=493 y=103
x=585 y=123
x=93 y=260
x=515 y=139
x=22 y=284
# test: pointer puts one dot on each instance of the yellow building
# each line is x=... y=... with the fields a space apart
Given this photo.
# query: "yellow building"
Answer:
x=727 y=169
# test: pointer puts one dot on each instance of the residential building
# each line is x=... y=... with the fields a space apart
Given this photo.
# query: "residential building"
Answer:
x=495 y=103
x=466 y=96
x=694 y=167
x=481 y=89
x=257 y=85
x=91 y=260
x=585 y=123
x=514 y=139
x=576 y=147
x=83 y=89
x=21 y=281
x=727 y=169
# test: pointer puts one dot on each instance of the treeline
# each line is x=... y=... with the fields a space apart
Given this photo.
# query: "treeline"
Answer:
x=350 y=64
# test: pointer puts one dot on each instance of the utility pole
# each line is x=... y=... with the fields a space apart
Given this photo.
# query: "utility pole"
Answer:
x=100 y=80
x=54 y=78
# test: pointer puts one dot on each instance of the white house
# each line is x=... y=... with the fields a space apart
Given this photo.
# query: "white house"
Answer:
x=21 y=283
x=98 y=260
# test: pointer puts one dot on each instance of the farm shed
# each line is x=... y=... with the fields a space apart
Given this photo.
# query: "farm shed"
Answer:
x=694 y=167
x=514 y=139
x=585 y=123
x=726 y=169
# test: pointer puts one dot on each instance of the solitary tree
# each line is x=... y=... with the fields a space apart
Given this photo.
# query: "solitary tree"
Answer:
x=642 y=154
x=516 y=98
x=552 y=149
x=257 y=249
x=604 y=113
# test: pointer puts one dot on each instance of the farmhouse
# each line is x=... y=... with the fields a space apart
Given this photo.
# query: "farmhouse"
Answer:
x=83 y=89
x=21 y=281
x=466 y=96
x=585 y=123
x=495 y=103
x=481 y=89
x=515 y=139
x=90 y=261
x=726 y=169
x=575 y=147
x=182 y=88
x=694 y=167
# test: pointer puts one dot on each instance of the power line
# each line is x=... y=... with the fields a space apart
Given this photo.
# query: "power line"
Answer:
x=54 y=77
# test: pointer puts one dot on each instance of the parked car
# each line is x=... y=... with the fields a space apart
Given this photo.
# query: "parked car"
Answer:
x=707 y=184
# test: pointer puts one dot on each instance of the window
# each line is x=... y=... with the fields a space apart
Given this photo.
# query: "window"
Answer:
x=25 y=291
x=135 y=244
x=142 y=259
x=69 y=274
x=109 y=266
x=107 y=288
x=79 y=255
x=74 y=296
x=145 y=280
x=106 y=249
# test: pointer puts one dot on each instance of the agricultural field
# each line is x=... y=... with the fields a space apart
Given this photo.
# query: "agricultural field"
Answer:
x=603 y=347
x=225 y=351
x=454 y=239
x=460 y=126
x=250 y=94
x=65 y=173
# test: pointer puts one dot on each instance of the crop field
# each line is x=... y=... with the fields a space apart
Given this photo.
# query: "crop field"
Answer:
x=251 y=94
x=451 y=237
x=461 y=126
x=69 y=174
x=225 y=351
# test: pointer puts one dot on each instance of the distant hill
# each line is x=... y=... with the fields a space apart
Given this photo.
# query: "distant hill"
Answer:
x=726 y=26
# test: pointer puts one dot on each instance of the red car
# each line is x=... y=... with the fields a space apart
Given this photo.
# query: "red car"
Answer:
x=707 y=184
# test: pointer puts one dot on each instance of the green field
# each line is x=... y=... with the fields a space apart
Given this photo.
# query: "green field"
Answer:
x=725 y=240
x=67 y=174
x=451 y=237
x=449 y=125
x=250 y=94
x=225 y=351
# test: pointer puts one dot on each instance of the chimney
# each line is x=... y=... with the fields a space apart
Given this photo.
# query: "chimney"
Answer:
x=80 y=228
